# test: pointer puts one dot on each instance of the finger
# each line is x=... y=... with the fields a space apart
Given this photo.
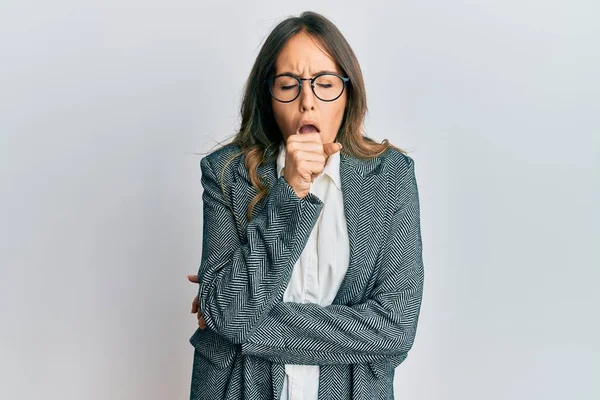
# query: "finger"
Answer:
x=305 y=137
x=193 y=278
x=312 y=156
x=310 y=146
x=195 y=305
x=201 y=322
x=331 y=148
x=314 y=167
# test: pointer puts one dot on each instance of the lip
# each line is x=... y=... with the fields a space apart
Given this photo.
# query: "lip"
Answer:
x=308 y=122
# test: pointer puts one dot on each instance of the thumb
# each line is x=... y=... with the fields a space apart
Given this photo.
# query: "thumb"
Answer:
x=331 y=148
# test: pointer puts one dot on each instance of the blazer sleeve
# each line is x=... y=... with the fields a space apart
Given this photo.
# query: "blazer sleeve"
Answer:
x=382 y=328
x=238 y=282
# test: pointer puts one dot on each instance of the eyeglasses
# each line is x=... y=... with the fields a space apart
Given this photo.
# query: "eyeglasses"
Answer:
x=326 y=86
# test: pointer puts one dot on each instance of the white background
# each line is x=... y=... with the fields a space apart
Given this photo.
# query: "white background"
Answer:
x=104 y=103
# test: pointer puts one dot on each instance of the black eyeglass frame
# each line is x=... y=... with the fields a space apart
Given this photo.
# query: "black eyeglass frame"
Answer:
x=344 y=79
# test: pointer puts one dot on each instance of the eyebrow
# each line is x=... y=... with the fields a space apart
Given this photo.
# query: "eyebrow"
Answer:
x=320 y=72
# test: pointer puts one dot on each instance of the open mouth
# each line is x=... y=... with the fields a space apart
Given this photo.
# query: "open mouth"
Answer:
x=308 y=126
x=308 y=129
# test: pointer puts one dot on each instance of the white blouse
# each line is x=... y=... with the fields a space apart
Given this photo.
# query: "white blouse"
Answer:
x=318 y=273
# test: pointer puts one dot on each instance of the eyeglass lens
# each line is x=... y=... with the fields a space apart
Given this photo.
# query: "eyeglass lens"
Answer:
x=326 y=88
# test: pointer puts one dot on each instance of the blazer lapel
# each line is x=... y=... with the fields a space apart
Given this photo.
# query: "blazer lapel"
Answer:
x=360 y=192
x=243 y=192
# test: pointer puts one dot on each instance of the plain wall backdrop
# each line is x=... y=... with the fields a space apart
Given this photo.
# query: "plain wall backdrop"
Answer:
x=104 y=103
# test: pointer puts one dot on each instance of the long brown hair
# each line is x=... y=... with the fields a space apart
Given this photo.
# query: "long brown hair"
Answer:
x=259 y=132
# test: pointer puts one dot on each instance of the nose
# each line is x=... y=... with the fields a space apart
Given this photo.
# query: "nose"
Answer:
x=307 y=97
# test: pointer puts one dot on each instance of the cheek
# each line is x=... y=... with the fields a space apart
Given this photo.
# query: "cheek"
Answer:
x=336 y=108
x=282 y=116
x=335 y=113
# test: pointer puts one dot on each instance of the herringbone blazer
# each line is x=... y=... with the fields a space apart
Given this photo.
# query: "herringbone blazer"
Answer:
x=360 y=338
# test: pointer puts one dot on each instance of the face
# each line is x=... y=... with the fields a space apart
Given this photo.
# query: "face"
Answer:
x=303 y=57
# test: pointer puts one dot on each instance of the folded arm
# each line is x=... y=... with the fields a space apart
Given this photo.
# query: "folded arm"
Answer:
x=238 y=282
x=382 y=328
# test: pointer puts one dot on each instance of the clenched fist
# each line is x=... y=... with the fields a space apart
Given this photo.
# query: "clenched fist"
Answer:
x=305 y=159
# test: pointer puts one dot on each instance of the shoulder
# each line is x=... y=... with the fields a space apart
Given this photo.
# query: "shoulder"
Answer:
x=396 y=162
x=400 y=173
x=221 y=157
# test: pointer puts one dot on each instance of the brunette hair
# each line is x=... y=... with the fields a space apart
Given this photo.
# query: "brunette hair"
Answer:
x=258 y=130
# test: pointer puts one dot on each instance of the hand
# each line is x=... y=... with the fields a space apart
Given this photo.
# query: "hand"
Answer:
x=305 y=159
x=201 y=322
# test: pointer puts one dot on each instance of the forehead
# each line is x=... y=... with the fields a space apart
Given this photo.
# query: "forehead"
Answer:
x=304 y=54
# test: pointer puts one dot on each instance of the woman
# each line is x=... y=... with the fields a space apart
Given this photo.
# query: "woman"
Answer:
x=311 y=275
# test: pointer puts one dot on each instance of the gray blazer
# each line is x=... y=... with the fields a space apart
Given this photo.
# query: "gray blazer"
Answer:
x=251 y=333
